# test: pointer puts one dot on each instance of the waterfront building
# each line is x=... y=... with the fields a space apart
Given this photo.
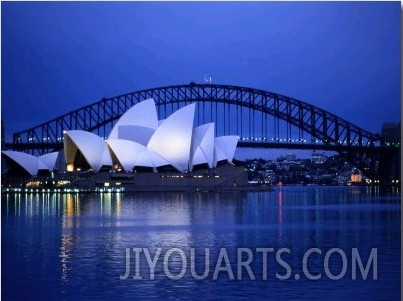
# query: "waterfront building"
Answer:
x=137 y=140
x=291 y=157
x=390 y=133
x=20 y=163
x=318 y=157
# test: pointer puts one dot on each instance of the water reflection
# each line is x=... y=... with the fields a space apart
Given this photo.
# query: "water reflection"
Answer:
x=280 y=214
x=277 y=208
x=77 y=242
x=65 y=254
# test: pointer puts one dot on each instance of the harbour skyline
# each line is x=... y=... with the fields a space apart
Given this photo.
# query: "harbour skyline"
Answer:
x=341 y=57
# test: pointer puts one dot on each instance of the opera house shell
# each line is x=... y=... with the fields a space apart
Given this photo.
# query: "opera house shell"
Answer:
x=31 y=164
x=139 y=139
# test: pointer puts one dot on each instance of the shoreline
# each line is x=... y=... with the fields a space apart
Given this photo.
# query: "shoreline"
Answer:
x=123 y=189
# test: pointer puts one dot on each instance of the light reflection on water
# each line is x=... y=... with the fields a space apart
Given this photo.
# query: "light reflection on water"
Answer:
x=72 y=246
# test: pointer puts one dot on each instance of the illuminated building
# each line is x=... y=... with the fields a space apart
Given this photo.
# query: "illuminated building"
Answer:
x=31 y=164
x=139 y=139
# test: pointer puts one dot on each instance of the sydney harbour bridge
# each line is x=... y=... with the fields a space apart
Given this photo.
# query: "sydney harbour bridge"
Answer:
x=261 y=118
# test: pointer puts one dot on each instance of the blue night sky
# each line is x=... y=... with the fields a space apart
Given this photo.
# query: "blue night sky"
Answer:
x=343 y=57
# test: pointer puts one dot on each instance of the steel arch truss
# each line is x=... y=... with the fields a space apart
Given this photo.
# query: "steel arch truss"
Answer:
x=332 y=131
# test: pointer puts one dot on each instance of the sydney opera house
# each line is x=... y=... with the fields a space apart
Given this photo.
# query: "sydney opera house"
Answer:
x=138 y=140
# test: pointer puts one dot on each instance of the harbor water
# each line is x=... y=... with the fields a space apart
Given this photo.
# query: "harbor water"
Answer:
x=293 y=243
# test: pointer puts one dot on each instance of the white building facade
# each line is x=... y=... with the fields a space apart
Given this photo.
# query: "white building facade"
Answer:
x=139 y=139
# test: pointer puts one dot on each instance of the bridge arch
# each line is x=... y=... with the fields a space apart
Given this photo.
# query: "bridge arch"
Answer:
x=247 y=112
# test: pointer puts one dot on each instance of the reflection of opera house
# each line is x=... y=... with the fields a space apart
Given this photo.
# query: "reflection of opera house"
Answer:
x=143 y=151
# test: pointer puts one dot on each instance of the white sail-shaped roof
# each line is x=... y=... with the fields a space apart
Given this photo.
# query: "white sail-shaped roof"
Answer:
x=224 y=148
x=106 y=157
x=142 y=114
x=202 y=150
x=41 y=165
x=125 y=151
x=172 y=139
x=26 y=161
x=219 y=155
x=49 y=160
x=150 y=158
x=70 y=149
x=92 y=147
x=135 y=133
x=140 y=139
x=131 y=154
